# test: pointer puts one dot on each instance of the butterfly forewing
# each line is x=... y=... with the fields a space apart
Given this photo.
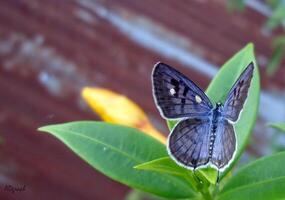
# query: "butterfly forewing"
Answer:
x=224 y=145
x=176 y=96
x=188 y=143
x=238 y=94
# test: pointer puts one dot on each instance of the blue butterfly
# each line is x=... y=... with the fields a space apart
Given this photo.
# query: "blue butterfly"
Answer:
x=205 y=134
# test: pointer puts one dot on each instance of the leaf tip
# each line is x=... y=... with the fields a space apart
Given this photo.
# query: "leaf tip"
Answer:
x=277 y=125
x=250 y=45
x=45 y=129
x=42 y=129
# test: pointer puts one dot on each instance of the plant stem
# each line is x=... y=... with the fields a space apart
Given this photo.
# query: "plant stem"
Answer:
x=206 y=195
x=203 y=188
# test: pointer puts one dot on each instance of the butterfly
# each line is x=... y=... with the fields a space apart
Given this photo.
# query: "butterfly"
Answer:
x=205 y=135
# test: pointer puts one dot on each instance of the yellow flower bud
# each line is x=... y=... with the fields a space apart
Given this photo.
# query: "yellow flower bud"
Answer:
x=118 y=109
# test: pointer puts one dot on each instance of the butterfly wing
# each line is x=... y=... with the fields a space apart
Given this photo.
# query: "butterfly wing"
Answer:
x=238 y=94
x=176 y=96
x=188 y=143
x=224 y=145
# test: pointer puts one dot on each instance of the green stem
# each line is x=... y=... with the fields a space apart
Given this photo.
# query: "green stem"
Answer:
x=202 y=186
x=206 y=194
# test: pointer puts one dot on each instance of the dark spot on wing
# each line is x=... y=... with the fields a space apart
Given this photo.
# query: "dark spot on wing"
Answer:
x=186 y=89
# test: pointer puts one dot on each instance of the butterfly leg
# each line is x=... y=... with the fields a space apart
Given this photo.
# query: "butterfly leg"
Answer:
x=197 y=178
x=218 y=178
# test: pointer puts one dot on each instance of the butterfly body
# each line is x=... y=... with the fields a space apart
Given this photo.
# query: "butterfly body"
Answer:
x=205 y=134
x=216 y=117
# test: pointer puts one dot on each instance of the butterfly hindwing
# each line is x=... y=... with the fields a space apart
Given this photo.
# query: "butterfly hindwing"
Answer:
x=238 y=94
x=188 y=143
x=176 y=96
x=224 y=145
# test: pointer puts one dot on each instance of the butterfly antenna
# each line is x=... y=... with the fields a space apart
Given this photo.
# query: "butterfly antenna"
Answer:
x=194 y=171
x=197 y=177
x=218 y=178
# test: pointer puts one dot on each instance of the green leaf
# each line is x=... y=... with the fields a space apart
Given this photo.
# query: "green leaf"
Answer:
x=275 y=60
x=210 y=174
x=260 y=180
x=139 y=195
x=171 y=123
x=277 y=55
x=272 y=3
x=114 y=150
x=221 y=85
x=236 y=5
x=278 y=16
x=279 y=126
x=167 y=165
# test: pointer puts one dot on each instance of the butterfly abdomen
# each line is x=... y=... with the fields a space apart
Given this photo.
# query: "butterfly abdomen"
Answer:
x=216 y=115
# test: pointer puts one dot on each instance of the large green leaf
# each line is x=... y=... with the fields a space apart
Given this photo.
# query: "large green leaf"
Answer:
x=260 y=180
x=278 y=125
x=221 y=85
x=114 y=150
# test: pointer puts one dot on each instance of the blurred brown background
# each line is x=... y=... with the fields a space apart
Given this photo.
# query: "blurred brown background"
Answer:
x=50 y=49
